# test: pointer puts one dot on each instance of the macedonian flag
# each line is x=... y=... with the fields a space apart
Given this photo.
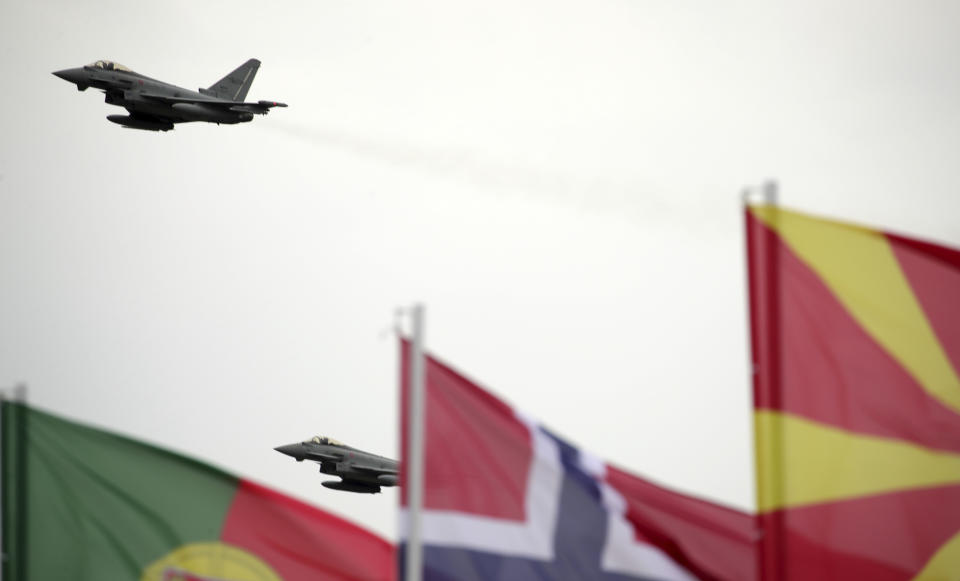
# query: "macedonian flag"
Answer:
x=81 y=504
x=856 y=353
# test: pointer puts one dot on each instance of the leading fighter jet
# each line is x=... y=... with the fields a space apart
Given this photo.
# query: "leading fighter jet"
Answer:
x=361 y=471
x=155 y=106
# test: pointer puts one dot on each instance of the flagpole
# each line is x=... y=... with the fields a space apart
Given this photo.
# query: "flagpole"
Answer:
x=3 y=487
x=14 y=563
x=776 y=567
x=764 y=302
x=415 y=451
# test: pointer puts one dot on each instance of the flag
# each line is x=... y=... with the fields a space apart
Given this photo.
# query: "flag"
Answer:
x=85 y=504
x=506 y=499
x=856 y=351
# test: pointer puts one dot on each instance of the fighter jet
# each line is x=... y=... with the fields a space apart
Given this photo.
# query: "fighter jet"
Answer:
x=361 y=471
x=155 y=106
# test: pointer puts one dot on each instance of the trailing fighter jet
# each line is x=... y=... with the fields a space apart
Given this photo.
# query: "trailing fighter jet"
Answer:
x=156 y=106
x=361 y=471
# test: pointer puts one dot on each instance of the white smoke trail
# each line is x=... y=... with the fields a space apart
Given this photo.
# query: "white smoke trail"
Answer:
x=624 y=197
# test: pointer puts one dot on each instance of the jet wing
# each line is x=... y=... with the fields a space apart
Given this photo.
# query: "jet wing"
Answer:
x=258 y=107
x=374 y=469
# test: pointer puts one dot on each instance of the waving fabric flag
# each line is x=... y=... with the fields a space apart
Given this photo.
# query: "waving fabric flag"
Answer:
x=856 y=350
x=84 y=504
x=505 y=499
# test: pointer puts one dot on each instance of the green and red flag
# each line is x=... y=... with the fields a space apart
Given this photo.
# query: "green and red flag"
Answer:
x=856 y=352
x=85 y=504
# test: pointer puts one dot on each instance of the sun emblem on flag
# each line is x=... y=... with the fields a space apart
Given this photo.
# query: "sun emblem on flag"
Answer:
x=858 y=409
x=213 y=561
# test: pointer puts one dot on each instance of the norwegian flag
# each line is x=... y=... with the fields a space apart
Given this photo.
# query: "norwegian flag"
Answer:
x=505 y=499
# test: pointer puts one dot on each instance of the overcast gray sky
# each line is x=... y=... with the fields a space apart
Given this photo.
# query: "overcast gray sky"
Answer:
x=557 y=181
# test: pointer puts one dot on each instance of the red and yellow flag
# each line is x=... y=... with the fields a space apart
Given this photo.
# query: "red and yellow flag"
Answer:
x=856 y=354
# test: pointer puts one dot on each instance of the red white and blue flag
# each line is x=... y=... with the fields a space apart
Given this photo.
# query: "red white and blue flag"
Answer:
x=505 y=499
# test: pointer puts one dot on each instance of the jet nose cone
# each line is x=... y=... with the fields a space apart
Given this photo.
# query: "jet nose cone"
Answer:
x=69 y=75
x=292 y=450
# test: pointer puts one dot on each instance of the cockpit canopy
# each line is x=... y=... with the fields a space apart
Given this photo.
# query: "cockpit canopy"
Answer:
x=109 y=66
x=326 y=441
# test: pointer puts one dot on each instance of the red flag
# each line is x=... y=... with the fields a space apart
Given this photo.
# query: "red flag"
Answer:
x=505 y=499
x=856 y=350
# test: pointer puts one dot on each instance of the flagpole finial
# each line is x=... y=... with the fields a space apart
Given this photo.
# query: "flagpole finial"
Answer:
x=768 y=192
x=771 y=192
x=401 y=316
x=18 y=393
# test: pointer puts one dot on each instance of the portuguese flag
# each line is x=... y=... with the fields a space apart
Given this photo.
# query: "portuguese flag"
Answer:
x=85 y=504
x=856 y=352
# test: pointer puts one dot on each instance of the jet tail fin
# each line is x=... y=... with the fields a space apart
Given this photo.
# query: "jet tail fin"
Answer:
x=235 y=85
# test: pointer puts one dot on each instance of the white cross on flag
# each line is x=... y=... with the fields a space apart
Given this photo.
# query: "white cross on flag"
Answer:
x=504 y=499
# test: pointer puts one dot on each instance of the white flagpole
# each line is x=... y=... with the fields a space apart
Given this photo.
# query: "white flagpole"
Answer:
x=415 y=452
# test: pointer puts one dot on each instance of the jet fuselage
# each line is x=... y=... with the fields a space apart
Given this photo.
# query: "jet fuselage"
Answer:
x=156 y=105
